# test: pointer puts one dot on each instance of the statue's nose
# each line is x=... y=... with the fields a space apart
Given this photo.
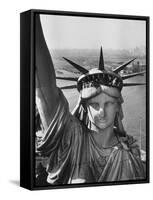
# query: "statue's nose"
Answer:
x=102 y=113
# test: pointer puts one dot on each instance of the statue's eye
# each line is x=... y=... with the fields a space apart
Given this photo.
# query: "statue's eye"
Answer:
x=94 y=105
x=109 y=103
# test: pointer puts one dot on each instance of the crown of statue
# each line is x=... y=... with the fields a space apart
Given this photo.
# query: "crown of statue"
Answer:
x=100 y=76
x=96 y=77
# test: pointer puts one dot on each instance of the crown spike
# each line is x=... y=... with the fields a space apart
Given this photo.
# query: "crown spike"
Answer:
x=68 y=87
x=132 y=84
x=132 y=75
x=101 y=60
x=121 y=67
x=68 y=78
x=78 y=67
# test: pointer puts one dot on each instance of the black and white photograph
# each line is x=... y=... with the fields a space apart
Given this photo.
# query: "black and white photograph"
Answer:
x=90 y=100
x=76 y=93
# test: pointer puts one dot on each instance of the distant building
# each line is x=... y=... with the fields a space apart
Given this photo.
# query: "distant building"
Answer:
x=138 y=67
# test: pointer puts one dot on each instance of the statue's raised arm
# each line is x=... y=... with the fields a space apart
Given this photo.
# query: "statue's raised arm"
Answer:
x=46 y=90
x=50 y=101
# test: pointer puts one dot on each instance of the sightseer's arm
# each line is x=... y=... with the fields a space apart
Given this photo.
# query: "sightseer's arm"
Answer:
x=47 y=96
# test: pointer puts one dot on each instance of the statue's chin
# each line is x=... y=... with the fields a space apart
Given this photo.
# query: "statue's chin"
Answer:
x=97 y=126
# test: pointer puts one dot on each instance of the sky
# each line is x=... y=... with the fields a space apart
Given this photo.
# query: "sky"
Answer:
x=70 y=32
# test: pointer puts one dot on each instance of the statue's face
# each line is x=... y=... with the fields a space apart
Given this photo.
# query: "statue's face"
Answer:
x=102 y=110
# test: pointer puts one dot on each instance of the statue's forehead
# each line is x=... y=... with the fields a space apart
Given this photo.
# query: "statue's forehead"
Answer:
x=102 y=97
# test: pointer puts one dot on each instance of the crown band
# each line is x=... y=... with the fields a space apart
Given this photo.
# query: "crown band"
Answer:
x=103 y=78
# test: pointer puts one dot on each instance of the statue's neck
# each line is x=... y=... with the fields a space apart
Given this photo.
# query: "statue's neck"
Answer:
x=105 y=137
